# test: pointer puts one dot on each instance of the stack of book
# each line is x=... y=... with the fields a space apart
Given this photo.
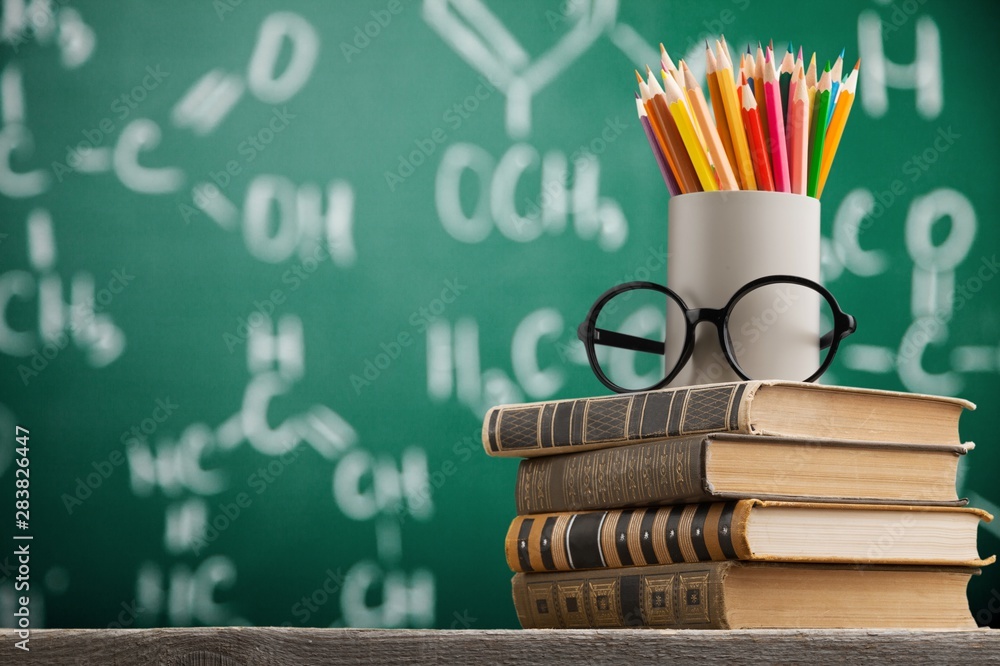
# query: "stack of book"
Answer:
x=758 y=504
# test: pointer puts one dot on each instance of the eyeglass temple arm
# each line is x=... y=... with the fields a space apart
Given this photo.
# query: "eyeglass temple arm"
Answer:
x=622 y=340
x=827 y=339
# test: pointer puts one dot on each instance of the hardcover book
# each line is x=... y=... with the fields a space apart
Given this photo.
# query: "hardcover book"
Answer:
x=788 y=409
x=746 y=530
x=746 y=595
x=723 y=466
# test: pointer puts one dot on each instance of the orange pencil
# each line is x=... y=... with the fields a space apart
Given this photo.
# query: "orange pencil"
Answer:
x=655 y=125
x=755 y=137
x=723 y=169
x=717 y=106
x=837 y=122
x=687 y=178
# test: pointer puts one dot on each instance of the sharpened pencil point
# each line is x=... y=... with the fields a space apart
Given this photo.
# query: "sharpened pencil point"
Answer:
x=638 y=77
x=842 y=52
x=790 y=49
x=857 y=64
x=827 y=68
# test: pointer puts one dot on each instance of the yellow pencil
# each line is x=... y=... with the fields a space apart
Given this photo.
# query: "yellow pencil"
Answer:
x=716 y=149
x=734 y=117
x=678 y=109
x=679 y=78
x=837 y=122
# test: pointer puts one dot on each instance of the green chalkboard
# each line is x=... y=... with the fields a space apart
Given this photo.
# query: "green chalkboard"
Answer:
x=263 y=267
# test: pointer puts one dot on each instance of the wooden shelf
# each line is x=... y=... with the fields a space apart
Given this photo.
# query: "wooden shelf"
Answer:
x=246 y=646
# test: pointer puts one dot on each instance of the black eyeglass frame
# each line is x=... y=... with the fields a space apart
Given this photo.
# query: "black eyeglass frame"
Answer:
x=843 y=325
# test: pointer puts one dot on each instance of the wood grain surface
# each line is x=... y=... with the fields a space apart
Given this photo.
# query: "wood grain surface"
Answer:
x=244 y=646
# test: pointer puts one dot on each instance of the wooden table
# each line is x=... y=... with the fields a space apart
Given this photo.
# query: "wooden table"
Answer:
x=244 y=646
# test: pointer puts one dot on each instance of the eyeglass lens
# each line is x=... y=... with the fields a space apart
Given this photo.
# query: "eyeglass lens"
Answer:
x=766 y=331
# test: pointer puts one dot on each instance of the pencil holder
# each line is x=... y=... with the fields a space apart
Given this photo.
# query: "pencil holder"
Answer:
x=718 y=242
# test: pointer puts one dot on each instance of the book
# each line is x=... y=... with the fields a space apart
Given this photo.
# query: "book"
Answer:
x=746 y=595
x=746 y=530
x=789 y=409
x=723 y=466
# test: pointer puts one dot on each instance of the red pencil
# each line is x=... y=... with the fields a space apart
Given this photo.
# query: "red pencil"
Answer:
x=758 y=146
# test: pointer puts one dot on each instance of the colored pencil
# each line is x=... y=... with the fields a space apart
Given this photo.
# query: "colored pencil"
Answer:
x=682 y=84
x=798 y=136
x=785 y=79
x=678 y=109
x=718 y=108
x=776 y=124
x=758 y=89
x=819 y=131
x=656 y=127
x=687 y=178
x=837 y=123
x=727 y=87
x=654 y=146
x=835 y=81
x=797 y=75
x=668 y=65
x=716 y=150
x=755 y=137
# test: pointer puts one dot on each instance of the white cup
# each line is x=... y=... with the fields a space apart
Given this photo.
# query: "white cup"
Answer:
x=720 y=241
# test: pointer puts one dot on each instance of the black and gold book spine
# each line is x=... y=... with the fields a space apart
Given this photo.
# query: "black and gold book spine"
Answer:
x=686 y=596
x=649 y=474
x=573 y=425
x=630 y=537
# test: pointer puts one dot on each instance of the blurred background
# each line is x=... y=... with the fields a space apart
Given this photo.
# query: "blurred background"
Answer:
x=265 y=265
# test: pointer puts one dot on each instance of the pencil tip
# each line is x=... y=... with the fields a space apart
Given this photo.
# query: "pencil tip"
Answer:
x=638 y=77
x=790 y=49
x=662 y=50
x=827 y=67
x=637 y=95
x=857 y=64
x=648 y=70
x=706 y=45
x=842 y=52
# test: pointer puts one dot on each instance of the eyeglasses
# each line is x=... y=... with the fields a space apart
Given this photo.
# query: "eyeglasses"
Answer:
x=642 y=334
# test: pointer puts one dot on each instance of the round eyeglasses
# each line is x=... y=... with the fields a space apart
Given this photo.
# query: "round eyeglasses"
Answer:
x=639 y=335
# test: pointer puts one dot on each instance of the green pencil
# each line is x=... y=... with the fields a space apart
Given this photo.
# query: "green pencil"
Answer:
x=822 y=108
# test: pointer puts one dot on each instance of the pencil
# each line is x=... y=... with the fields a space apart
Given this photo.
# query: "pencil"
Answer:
x=657 y=131
x=668 y=65
x=687 y=178
x=785 y=80
x=776 y=124
x=819 y=131
x=699 y=107
x=835 y=81
x=727 y=88
x=798 y=136
x=758 y=147
x=718 y=108
x=837 y=123
x=654 y=145
x=682 y=85
x=797 y=75
x=758 y=89
x=678 y=109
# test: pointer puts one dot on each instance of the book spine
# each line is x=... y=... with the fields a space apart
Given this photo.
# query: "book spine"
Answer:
x=676 y=596
x=631 y=537
x=561 y=426
x=651 y=474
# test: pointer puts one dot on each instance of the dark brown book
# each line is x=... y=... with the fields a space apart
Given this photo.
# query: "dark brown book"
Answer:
x=747 y=530
x=714 y=467
x=746 y=595
x=788 y=409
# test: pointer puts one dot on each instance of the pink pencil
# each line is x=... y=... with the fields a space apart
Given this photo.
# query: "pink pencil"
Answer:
x=798 y=130
x=776 y=138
